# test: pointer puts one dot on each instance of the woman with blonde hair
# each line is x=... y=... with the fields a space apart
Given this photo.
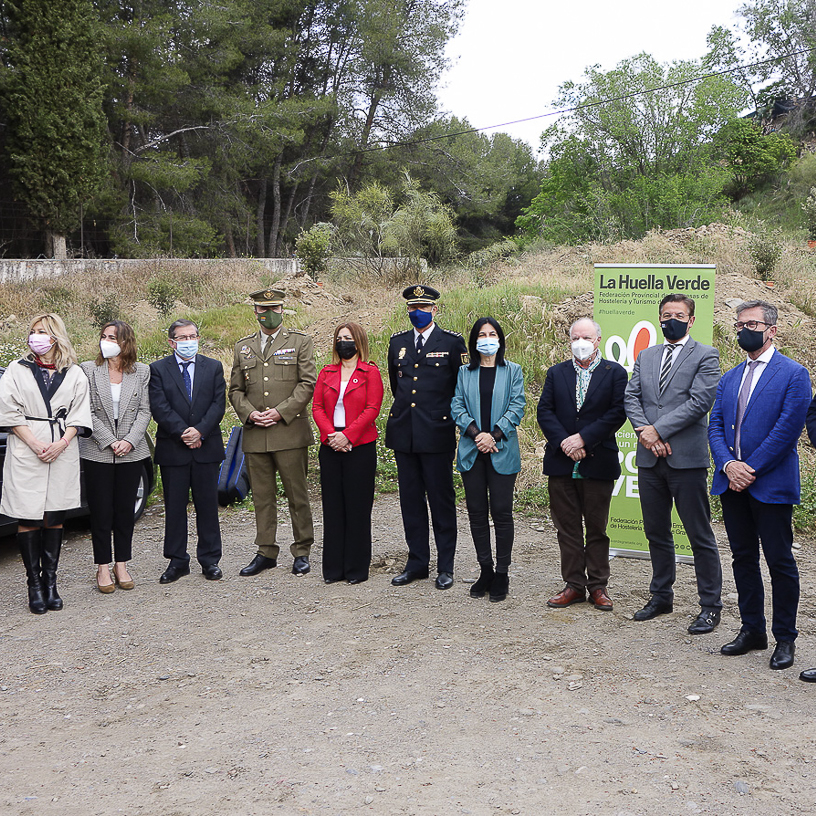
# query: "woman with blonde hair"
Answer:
x=347 y=400
x=44 y=404
x=113 y=456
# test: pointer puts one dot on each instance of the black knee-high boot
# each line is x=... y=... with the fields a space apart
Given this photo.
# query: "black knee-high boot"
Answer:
x=31 y=549
x=51 y=546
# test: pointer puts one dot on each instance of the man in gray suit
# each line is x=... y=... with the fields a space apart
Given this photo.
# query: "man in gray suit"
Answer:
x=668 y=398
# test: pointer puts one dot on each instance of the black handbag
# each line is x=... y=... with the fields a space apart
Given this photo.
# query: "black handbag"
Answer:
x=233 y=479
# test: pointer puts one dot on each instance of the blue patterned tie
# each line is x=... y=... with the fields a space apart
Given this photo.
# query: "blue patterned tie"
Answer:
x=188 y=383
x=742 y=404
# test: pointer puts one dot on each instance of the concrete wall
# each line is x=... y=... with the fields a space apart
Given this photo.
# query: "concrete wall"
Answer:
x=18 y=271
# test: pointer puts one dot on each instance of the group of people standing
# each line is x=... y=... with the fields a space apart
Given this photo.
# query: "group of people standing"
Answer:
x=758 y=410
x=439 y=383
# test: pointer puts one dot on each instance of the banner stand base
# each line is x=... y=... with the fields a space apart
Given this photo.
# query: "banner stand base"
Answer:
x=644 y=554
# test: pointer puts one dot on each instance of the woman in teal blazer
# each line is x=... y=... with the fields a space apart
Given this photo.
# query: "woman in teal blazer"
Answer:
x=488 y=406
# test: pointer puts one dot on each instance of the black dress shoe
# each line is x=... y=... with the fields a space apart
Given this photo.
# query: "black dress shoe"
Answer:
x=705 y=622
x=353 y=581
x=172 y=574
x=782 y=657
x=444 y=580
x=808 y=676
x=258 y=564
x=407 y=577
x=301 y=565
x=653 y=609
x=212 y=572
x=745 y=642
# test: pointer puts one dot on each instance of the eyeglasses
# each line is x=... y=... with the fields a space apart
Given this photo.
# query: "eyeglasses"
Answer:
x=186 y=337
x=681 y=316
x=750 y=324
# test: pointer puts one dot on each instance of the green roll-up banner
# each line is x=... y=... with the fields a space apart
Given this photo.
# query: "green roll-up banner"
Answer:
x=627 y=297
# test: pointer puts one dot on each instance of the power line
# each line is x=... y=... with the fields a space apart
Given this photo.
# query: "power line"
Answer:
x=586 y=105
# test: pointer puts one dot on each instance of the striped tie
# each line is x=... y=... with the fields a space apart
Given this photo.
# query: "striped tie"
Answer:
x=667 y=364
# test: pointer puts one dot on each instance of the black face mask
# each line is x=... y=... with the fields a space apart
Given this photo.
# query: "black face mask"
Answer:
x=750 y=340
x=346 y=349
x=674 y=330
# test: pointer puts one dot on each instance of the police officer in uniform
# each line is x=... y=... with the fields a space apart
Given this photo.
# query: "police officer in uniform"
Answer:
x=272 y=382
x=423 y=364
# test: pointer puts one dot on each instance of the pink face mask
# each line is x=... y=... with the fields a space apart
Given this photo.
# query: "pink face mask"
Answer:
x=40 y=343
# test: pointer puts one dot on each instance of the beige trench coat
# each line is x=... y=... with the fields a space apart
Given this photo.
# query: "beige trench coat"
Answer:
x=31 y=487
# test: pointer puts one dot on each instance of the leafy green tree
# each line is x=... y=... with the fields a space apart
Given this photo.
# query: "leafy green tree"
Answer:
x=370 y=223
x=752 y=157
x=52 y=93
x=634 y=152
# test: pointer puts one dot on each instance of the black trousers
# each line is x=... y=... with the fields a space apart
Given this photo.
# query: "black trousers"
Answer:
x=749 y=523
x=659 y=486
x=347 y=491
x=110 y=489
x=178 y=481
x=420 y=475
x=484 y=488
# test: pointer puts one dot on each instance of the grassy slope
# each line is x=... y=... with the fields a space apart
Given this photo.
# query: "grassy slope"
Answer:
x=534 y=296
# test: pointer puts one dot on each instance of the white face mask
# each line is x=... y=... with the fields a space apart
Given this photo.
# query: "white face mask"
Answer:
x=582 y=349
x=109 y=349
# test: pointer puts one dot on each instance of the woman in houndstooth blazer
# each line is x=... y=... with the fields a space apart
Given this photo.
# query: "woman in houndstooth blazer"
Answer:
x=113 y=455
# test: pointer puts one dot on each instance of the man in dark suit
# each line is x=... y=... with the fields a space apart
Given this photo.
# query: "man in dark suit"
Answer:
x=423 y=364
x=756 y=423
x=187 y=400
x=580 y=409
x=667 y=401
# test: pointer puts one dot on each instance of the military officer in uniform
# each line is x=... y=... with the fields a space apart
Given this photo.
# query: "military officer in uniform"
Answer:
x=272 y=382
x=423 y=364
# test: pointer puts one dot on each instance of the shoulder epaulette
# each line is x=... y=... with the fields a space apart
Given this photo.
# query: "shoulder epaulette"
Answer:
x=297 y=331
x=448 y=331
x=245 y=338
x=405 y=331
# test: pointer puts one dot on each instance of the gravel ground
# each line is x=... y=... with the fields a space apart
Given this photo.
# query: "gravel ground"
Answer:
x=280 y=694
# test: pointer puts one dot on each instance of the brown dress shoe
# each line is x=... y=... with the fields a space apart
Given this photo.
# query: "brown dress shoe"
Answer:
x=600 y=600
x=565 y=597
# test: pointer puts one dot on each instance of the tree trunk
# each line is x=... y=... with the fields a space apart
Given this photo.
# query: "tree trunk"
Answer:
x=274 y=230
x=231 y=253
x=259 y=218
x=289 y=207
x=357 y=167
x=55 y=245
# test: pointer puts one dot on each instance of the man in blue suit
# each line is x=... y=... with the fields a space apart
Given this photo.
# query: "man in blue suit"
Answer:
x=758 y=416
x=187 y=399
x=580 y=410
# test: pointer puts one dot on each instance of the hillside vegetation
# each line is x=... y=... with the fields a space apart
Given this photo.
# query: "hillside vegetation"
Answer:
x=534 y=294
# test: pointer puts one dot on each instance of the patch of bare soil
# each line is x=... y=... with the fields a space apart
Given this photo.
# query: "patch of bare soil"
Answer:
x=279 y=694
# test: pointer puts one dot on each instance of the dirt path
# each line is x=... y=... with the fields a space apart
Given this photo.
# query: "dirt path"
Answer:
x=279 y=694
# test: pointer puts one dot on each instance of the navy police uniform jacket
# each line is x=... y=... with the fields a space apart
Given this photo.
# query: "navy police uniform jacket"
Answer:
x=420 y=420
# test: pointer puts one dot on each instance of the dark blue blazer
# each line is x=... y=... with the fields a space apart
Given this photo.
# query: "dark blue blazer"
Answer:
x=174 y=412
x=601 y=415
x=771 y=427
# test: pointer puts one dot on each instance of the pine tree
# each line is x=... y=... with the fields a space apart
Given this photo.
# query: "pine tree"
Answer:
x=52 y=94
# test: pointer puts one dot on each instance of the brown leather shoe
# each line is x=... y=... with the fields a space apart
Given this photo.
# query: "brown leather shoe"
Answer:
x=565 y=597
x=601 y=600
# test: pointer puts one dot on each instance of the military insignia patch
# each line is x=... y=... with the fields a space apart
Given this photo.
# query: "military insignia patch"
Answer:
x=465 y=359
x=247 y=352
x=419 y=292
x=268 y=295
x=402 y=352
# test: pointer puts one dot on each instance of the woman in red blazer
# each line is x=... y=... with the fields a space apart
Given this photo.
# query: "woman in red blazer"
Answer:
x=347 y=400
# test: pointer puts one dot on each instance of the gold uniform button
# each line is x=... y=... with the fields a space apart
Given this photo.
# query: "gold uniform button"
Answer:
x=414 y=391
x=416 y=378
x=416 y=365
x=413 y=405
x=444 y=417
x=437 y=365
x=266 y=364
x=266 y=378
x=266 y=393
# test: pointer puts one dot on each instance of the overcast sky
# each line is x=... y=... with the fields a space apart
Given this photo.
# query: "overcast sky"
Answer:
x=511 y=55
